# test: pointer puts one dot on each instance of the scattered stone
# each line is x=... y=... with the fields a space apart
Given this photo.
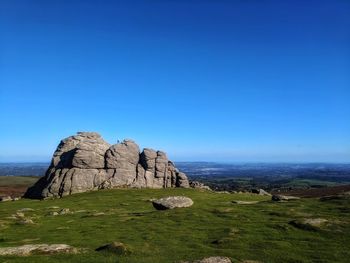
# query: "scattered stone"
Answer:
x=284 y=198
x=211 y=260
x=309 y=223
x=244 y=202
x=260 y=192
x=316 y=222
x=5 y=198
x=222 y=192
x=199 y=185
x=115 y=247
x=27 y=250
x=16 y=198
x=172 y=202
x=64 y=211
x=85 y=162
x=19 y=215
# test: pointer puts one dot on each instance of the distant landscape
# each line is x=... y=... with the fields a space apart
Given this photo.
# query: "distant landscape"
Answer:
x=273 y=177
x=180 y=131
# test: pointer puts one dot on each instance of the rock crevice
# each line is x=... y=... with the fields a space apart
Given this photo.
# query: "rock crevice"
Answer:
x=85 y=162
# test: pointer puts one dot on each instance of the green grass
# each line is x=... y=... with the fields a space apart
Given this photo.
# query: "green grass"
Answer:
x=212 y=226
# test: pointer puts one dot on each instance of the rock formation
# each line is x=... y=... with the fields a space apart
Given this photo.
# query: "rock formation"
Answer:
x=86 y=162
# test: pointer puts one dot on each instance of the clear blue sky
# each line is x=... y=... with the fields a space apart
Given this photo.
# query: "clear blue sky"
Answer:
x=202 y=80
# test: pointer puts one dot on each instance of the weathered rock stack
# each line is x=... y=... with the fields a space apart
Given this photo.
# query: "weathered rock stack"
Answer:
x=86 y=162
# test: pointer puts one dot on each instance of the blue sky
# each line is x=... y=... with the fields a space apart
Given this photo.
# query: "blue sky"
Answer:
x=203 y=80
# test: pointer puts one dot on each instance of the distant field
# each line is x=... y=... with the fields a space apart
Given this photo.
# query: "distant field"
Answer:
x=212 y=226
x=316 y=192
x=15 y=185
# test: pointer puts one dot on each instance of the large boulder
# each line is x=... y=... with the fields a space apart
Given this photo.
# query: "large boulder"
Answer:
x=84 y=150
x=85 y=162
x=172 y=202
x=123 y=157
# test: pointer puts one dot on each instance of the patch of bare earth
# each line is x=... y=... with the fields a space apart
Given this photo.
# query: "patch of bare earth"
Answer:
x=13 y=191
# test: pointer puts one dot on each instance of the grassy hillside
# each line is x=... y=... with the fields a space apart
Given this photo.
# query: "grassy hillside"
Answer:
x=212 y=226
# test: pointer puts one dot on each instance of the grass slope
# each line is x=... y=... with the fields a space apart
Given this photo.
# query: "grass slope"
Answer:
x=212 y=226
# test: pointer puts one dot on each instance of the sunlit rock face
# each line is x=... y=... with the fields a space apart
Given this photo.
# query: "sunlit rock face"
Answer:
x=86 y=162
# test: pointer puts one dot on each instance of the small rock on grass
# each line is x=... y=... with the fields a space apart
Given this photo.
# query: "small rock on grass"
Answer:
x=64 y=211
x=25 y=221
x=260 y=192
x=19 y=215
x=5 y=198
x=309 y=223
x=27 y=250
x=115 y=247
